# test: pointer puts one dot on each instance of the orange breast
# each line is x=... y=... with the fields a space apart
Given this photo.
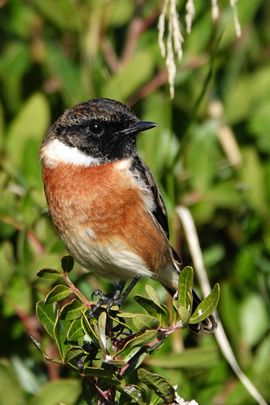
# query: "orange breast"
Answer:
x=105 y=200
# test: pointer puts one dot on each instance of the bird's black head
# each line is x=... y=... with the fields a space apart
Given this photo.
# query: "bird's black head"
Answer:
x=101 y=128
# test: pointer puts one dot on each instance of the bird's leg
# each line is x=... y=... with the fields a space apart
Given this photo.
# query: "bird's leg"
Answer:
x=118 y=297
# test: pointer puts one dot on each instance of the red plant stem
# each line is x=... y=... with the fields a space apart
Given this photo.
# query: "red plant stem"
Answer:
x=31 y=325
x=150 y=87
x=77 y=292
x=136 y=28
x=110 y=55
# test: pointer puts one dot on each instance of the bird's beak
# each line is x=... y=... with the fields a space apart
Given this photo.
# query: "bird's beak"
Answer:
x=139 y=126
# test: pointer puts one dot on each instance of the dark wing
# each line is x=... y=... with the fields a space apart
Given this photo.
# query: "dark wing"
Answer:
x=140 y=170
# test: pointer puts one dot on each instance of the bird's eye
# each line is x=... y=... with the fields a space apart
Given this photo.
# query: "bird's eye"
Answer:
x=96 y=128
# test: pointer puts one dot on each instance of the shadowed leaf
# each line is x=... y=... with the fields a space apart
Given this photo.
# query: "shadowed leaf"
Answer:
x=67 y=263
x=49 y=273
x=158 y=384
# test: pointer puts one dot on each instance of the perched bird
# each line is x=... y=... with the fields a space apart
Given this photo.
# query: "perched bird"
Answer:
x=104 y=200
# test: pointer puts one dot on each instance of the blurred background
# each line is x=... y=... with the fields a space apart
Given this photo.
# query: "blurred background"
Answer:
x=210 y=153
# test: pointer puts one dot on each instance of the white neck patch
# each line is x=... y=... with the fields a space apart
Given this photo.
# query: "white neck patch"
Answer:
x=55 y=152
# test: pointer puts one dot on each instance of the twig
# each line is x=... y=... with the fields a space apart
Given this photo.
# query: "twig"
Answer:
x=161 y=78
x=32 y=325
x=158 y=81
x=30 y=234
x=222 y=340
x=110 y=55
x=137 y=27
x=77 y=292
x=225 y=134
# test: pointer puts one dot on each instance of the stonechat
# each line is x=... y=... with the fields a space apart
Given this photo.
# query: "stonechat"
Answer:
x=104 y=200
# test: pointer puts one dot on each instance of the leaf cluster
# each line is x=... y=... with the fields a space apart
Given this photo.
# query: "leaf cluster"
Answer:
x=107 y=345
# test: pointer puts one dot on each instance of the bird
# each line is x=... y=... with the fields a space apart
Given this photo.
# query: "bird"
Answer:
x=104 y=200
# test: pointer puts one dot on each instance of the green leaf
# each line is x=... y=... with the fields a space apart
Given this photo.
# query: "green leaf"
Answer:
x=67 y=263
x=247 y=92
x=253 y=179
x=134 y=393
x=58 y=293
x=254 y=319
x=2 y=126
x=46 y=314
x=61 y=328
x=158 y=384
x=49 y=273
x=36 y=112
x=101 y=373
x=89 y=329
x=54 y=392
x=139 y=339
x=150 y=306
x=120 y=12
x=73 y=353
x=138 y=70
x=145 y=321
x=152 y=294
x=115 y=363
x=75 y=331
x=201 y=357
x=11 y=390
x=62 y=13
x=72 y=310
x=102 y=331
x=185 y=298
x=69 y=75
x=206 y=307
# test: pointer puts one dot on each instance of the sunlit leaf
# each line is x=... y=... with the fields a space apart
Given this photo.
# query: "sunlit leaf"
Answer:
x=58 y=293
x=134 y=393
x=11 y=390
x=75 y=331
x=89 y=329
x=254 y=319
x=63 y=13
x=102 y=330
x=46 y=314
x=139 y=340
x=198 y=357
x=137 y=70
x=206 y=307
x=185 y=298
x=150 y=306
x=72 y=310
x=145 y=321
x=36 y=111
x=54 y=392
x=61 y=328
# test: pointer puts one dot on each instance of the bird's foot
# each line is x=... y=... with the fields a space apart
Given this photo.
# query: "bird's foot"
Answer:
x=109 y=301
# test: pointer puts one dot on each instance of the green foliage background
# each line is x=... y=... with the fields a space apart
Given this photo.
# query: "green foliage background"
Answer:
x=56 y=54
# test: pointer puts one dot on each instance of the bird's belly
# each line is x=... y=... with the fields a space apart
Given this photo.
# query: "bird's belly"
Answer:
x=111 y=259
